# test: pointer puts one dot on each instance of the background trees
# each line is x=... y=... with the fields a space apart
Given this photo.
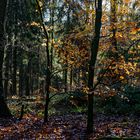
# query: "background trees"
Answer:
x=4 y=111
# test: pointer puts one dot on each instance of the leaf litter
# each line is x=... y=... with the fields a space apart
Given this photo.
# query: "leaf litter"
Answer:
x=69 y=127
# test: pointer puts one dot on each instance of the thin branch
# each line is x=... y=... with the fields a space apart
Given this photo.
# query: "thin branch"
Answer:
x=42 y=20
x=57 y=71
x=101 y=78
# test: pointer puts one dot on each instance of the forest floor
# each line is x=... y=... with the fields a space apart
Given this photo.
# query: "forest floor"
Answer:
x=69 y=127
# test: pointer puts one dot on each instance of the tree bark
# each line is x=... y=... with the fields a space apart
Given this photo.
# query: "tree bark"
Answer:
x=21 y=72
x=52 y=34
x=14 y=79
x=66 y=79
x=28 y=72
x=71 y=78
x=48 y=71
x=94 y=52
x=113 y=21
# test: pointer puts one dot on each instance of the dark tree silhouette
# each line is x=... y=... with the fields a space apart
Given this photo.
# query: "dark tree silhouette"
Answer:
x=94 y=52
x=4 y=111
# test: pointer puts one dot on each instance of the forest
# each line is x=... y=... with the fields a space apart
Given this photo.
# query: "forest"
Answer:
x=69 y=69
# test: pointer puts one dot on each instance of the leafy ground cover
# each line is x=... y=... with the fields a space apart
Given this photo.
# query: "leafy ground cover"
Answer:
x=70 y=127
x=66 y=122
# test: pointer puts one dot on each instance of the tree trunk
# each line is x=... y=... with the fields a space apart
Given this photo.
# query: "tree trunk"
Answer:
x=21 y=72
x=4 y=111
x=113 y=21
x=31 y=79
x=38 y=67
x=52 y=34
x=6 y=73
x=65 y=79
x=71 y=78
x=14 y=79
x=28 y=73
x=48 y=72
x=94 y=51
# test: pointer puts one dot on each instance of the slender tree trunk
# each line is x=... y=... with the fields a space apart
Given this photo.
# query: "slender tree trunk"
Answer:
x=6 y=73
x=4 y=111
x=113 y=21
x=27 y=89
x=10 y=73
x=52 y=34
x=48 y=72
x=21 y=73
x=31 y=80
x=14 y=78
x=28 y=72
x=78 y=77
x=65 y=78
x=66 y=55
x=47 y=89
x=94 y=51
x=84 y=75
x=38 y=67
x=71 y=78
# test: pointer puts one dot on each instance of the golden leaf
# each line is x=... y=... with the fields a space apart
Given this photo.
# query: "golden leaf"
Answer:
x=121 y=77
x=126 y=1
x=133 y=31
